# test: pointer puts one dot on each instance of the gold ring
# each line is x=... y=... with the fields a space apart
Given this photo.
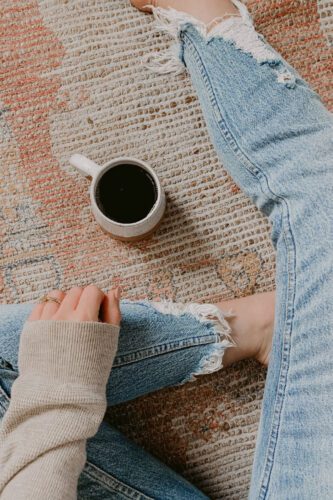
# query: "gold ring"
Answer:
x=46 y=298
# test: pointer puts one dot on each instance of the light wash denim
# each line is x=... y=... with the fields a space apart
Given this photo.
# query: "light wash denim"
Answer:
x=274 y=137
x=160 y=345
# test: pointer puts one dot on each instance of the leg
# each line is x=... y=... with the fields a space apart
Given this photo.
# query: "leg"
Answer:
x=159 y=346
x=117 y=468
x=165 y=344
x=156 y=349
x=275 y=138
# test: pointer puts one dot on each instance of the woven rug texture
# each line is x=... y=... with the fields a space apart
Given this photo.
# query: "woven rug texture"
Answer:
x=72 y=80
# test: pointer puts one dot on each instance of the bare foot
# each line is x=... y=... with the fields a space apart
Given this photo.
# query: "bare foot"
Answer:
x=205 y=11
x=252 y=327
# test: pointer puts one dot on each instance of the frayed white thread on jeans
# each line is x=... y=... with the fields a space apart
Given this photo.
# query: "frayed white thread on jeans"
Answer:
x=241 y=32
x=285 y=76
x=237 y=29
x=170 y=22
x=166 y=62
x=214 y=317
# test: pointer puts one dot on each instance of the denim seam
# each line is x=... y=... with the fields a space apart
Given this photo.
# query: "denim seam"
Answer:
x=229 y=137
x=283 y=377
x=223 y=127
x=113 y=484
x=164 y=349
x=260 y=175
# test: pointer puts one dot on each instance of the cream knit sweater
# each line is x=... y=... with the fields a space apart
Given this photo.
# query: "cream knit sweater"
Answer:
x=58 y=402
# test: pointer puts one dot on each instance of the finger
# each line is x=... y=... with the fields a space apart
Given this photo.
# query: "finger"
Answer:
x=50 y=307
x=111 y=307
x=70 y=301
x=90 y=302
x=36 y=312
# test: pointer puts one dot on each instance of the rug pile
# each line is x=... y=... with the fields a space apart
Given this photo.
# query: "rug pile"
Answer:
x=72 y=81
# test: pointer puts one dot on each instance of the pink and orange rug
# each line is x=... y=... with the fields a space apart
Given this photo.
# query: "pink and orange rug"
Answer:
x=71 y=81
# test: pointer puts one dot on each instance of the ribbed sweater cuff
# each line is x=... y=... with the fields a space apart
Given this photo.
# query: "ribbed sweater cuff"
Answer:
x=68 y=351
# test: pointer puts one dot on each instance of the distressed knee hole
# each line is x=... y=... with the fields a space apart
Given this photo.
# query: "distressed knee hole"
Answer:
x=212 y=318
x=236 y=29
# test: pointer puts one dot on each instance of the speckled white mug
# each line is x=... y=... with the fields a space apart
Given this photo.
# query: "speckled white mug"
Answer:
x=125 y=232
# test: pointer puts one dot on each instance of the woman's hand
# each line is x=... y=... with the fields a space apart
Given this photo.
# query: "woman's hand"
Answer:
x=58 y=383
x=80 y=304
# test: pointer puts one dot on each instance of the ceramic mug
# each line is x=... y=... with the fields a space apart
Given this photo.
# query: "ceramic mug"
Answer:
x=134 y=231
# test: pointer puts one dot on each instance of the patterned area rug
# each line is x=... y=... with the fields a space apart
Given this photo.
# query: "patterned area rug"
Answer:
x=71 y=81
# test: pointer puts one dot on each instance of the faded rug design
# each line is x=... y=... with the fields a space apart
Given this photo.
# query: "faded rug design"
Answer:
x=71 y=80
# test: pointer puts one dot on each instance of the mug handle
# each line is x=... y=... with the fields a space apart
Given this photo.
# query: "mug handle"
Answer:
x=87 y=167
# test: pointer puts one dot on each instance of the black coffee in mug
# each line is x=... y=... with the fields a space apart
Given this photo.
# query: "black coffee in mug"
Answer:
x=126 y=193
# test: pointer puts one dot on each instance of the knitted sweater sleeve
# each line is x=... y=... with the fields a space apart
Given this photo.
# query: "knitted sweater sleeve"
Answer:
x=58 y=402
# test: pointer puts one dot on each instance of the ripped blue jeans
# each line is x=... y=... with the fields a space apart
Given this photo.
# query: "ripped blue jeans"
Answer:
x=160 y=345
x=274 y=136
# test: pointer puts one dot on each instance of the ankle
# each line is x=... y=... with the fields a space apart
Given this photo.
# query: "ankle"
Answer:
x=205 y=11
x=252 y=327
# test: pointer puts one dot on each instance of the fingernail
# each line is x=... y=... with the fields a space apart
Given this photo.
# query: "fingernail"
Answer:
x=117 y=293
